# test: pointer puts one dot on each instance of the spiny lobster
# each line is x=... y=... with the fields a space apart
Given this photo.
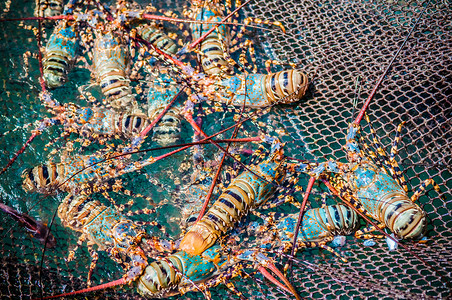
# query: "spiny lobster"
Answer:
x=365 y=183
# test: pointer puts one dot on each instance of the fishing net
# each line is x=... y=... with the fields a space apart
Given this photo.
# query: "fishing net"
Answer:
x=344 y=46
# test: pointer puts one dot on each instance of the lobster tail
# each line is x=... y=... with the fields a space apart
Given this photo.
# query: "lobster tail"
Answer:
x=110 y=66
x=167 y=130
x=107 y=228
x=289 y=85
x=341 y=219
x=403 y=217
x=156 y=37
x=213 y=61
x=161 y=278
x=213 y=46
x=48 y=8
x=133 y=124
x=167 y=277
x=161 y=92
x=76 y=211
x=59 y=55
x=43 y=178
x=261 y=90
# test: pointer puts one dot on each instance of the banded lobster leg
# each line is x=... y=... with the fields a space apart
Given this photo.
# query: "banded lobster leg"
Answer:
x=394 y=168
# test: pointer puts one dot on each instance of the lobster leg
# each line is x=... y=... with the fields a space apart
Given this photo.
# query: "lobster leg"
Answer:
x=79 y=243
x=270 y=62
x=248 y=45
x=392 y=160
x=345 y=193
x=382 y=153
x=248 y=20
x=232 y=287
x=363 y=233
x=367 y=150
x=322 y=244
x=94 y=257
x=421 y=189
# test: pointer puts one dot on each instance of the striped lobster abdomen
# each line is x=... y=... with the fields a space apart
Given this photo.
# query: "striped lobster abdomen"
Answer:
x=261 y=90
x=161 y=92
x=213 y=46
x=48 y=8
x=245 y=192
x=110 y=63
x=159 y=39
x=45 y=178
x=103 y=121
x=59 y=54
x=319 y=224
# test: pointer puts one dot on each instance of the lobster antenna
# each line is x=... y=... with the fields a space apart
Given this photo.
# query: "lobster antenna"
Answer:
x=121 y=281
x=41 y=290
x=357 y=94
x=380 y=80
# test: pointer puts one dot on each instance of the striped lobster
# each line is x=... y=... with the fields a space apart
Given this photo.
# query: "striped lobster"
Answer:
x=366 y=184
x=260 y=90
x=103 y=226
x=62 y=46
x=247 y=191
x=161 y=91
x=214 y=55
x=252 y=90
x=95 y=121
x=88 y=173
x=319 y=226
x=199 y=247
x=158 y=38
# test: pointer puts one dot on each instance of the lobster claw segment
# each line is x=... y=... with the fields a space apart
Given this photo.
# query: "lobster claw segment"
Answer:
x=264 y=262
